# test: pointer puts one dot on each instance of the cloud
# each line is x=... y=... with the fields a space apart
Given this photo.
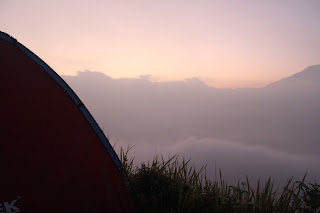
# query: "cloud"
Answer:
x=255 y=132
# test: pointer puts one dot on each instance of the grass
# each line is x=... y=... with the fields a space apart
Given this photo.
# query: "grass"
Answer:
x=173 y=185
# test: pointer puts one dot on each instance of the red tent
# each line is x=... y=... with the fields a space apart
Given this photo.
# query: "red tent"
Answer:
x=53 y=155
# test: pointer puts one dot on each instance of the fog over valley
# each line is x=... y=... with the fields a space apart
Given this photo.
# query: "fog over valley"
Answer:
x=259 y=132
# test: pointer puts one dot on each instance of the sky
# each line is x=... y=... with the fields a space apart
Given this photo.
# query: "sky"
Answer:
x=226 y=44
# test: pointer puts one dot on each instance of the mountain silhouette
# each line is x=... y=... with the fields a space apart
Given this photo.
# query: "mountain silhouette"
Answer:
x=309 y=76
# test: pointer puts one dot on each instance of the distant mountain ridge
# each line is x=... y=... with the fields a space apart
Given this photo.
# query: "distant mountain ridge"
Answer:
x=310 y=74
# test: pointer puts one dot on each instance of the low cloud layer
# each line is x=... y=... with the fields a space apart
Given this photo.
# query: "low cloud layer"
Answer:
x=272 y=131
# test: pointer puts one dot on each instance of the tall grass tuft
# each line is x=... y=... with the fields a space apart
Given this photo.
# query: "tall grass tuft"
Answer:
x=174 y=185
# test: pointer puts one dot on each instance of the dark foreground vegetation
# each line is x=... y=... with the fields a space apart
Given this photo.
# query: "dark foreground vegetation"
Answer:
x=175 y=186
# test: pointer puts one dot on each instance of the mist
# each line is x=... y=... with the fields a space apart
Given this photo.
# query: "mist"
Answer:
x=255 y=132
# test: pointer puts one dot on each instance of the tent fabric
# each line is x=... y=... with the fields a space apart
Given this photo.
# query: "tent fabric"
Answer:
x=53 y=155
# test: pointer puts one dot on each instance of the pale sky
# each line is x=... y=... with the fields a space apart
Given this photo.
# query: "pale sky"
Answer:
x=239 y=43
